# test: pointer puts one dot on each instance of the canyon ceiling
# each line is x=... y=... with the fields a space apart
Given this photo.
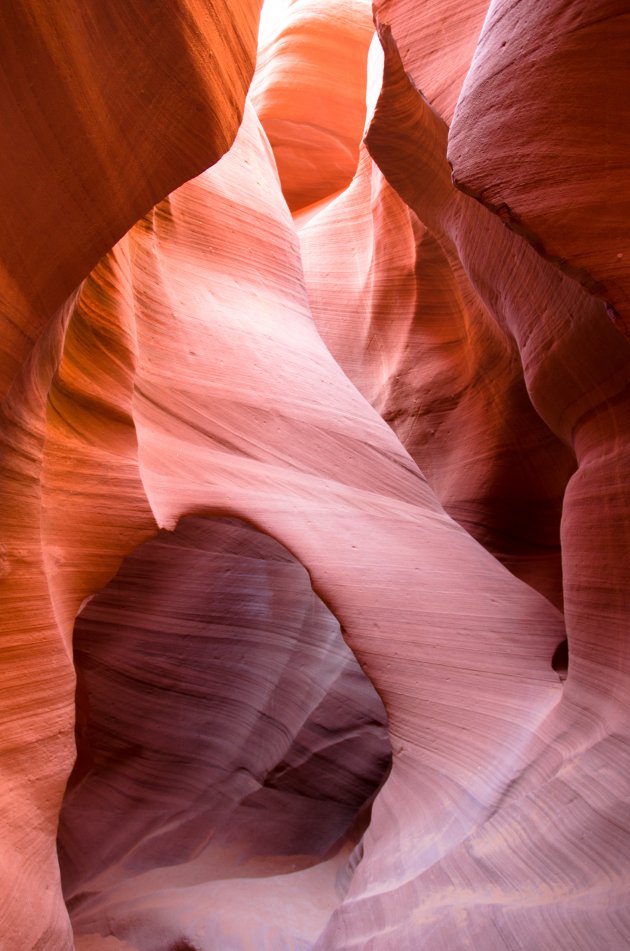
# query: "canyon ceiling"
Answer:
x=315 y=475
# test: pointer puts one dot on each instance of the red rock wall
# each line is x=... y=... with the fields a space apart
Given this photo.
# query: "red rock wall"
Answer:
x=563 y=183
x=419 y=413
x=106 y=109
x=309 y=94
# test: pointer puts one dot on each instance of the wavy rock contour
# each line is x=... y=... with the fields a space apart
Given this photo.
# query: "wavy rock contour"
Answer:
x=317 y=391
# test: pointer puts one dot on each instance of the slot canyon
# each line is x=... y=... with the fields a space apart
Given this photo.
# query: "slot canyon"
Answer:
x=315 y=479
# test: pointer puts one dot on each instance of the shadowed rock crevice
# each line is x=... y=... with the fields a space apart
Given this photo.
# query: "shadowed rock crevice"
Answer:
x=226 y=736
x=560 y=659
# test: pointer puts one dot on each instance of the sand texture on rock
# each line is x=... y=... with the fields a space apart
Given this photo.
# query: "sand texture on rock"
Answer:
x=315 y=461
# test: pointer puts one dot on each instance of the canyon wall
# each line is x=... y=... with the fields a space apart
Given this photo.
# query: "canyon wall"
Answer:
x=315 y=455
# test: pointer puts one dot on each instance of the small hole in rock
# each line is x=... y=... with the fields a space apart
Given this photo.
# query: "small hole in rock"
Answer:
x=560 y=659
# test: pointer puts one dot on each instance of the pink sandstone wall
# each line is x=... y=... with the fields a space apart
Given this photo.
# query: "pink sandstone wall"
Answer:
x=315 y=451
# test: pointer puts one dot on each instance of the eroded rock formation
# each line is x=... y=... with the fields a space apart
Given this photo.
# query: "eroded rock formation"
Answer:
x=330 y=386
x=227 y=742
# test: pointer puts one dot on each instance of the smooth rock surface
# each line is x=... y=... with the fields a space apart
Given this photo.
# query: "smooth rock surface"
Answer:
x=316 y=389
x=542 y=135
x=106 y=109
x=309 y=92
x=227 y=739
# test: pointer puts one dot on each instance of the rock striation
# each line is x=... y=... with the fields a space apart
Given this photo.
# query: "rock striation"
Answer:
x=315 y=459
x=227 y=741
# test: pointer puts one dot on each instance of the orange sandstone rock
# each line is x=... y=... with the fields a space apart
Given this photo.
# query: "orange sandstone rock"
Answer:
x=105 y=110
x=240 y=409
x=292 y=426
x=309 y=93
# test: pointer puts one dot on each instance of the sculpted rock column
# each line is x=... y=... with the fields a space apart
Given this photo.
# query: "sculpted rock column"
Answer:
x=541 y=135
x=577 y=370
x=249 y=415
x=106 y=108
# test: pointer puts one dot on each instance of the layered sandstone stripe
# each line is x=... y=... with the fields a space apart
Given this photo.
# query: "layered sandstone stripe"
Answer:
x=542 y=135
x=537 y=867
x=324 y=414
x=106 y=108
x=227 y=739
x=399 y=314
x=240 y=409
x=309 y=94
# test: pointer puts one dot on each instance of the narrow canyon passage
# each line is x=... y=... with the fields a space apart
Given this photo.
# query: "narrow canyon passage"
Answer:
x=229 y=747
x=314 y=475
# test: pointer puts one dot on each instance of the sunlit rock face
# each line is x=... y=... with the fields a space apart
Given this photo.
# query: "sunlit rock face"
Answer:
x=309 y=93
x=365 y=376
x=104 y=107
